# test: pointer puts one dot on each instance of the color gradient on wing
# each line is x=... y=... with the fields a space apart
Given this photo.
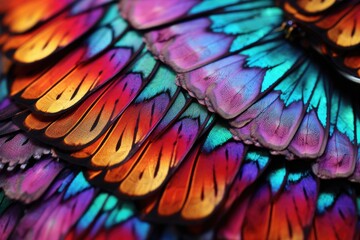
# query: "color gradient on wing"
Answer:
x=336 y=216
x=72 y=205
x=55 y=35
x=60 y=94
x=254 y=164
x=334 y=33
x=273 y=94
x=23 y=16
x=144 y=14
x=198 y=188
x=105 y=34
x=84 y=124
x=340 y=154
x=129 y=132
x=284 y=204
x=280 y=119
x=311 y=7
x=156 y=161
x=341 y=27
x=30 y=185
x=108 y=218
x=191 y=44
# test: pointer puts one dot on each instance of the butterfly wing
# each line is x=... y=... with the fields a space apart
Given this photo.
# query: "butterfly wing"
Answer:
x=333 y=30
x=273 y=94
x=49 y=190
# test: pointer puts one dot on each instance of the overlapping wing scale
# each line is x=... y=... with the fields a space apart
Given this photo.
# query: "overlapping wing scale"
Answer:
x=273 y=94
x=342 y=27
x=312 y=135
x=31 y=184
x=334 y=33
x=71 y=87
x=198 y=188
x=97 y=113
x=51 y=191
x=260 y=207
x=313 y=7
x=56 y=34
x=17 y=149
x=336 y=214
x=340 y=153
x=135 y=125
x=232 y=213
x=254 y=164
x=22 y=16
x=231 y=85
x=66 y=201
x=147 y=170
x=108 y=218
x=284 y=203
x=109 y=29
x=191 y=44
x=295 y=207
x=142 y=14
x=163 y=155
x=338 y=28
x=356 y=174
x=276 y=118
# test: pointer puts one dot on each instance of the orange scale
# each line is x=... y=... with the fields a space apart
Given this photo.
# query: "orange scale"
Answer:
x=346 y=32
x=3 y=38
x=37 y=85
x=352 y=62
x=105 y=111
x=213 y=174
x=330 y=20
x=62 y=126
x=22 y=81
x=91 y=119
x=295 y=209
x=26 y=14
x=201 y=183
x=119 y=173
x=290 y=9
x=131 y=129
x=45 y=40
x=33 y=123
x=81 y=156
x=314 y=6
x=161 y=158
x=82 y=81
x=258 y=215
x=14 y=41
x=174 y=196
x=8 y=5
